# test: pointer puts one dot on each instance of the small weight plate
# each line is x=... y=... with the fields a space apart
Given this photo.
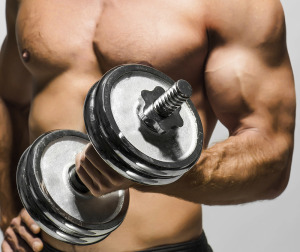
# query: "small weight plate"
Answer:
x=113 y=103
x=60 y=210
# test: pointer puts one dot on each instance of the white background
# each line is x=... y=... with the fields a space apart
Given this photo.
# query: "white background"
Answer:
x=268 y=226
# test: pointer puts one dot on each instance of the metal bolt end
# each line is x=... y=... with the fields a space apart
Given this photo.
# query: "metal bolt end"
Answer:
x=173 y=98
x=159 y=109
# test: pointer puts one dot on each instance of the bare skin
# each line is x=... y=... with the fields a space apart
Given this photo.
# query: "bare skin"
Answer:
x=234 y=55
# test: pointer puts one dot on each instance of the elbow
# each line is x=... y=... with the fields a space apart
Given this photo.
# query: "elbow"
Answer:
x=278 y=182
x=278 y=169
x=276 y=189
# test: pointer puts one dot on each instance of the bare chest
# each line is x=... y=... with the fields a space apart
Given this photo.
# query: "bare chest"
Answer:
x=96 y=35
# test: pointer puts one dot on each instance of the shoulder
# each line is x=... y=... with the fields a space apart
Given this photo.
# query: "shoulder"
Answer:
x=251 y=21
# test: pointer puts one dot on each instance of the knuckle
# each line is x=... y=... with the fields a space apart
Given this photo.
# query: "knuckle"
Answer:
x=23 y=212
x=79 y=169
x=82 y=158
x=95 y=191
x=22 y=231
x=7 y=233
x=79 y=160
x=14 y=222
x=9 y=237
x=103 y=183
x=114 y=184
x=117 y=181
x=89 y=150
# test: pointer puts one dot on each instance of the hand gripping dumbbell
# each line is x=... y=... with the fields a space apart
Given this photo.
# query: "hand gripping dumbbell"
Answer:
x=141 y=123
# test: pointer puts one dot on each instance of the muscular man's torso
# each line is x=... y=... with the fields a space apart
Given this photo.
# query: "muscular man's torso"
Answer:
x=68 y=45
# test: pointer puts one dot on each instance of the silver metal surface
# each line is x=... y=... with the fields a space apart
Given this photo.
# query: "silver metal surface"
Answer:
x=56 y=161
x=127 y=144
x=172 y=147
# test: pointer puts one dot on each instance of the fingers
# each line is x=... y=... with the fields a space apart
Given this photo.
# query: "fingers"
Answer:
x=14 y=242
x=96 y=174
x=84 y=176
x=93 y=157
x=92 y=177
x=91 y=154
x=21 y=235
x=25 y=233
x=29 y=222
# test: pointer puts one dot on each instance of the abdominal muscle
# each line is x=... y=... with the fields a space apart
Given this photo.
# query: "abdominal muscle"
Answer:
x=152 y=219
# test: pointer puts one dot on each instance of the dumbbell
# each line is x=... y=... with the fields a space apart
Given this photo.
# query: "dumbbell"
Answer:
x=142 y=124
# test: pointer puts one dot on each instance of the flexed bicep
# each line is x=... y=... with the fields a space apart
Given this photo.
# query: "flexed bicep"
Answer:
x=249 y=85
x=248 y=75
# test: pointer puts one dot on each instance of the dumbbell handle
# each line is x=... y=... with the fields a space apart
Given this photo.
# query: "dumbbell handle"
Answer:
x=76 y=182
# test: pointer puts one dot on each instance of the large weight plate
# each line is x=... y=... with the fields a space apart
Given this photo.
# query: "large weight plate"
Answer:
x=142 y=155
x=109 y=153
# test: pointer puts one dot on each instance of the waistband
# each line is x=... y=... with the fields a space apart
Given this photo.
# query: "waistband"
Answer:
x=198 y=245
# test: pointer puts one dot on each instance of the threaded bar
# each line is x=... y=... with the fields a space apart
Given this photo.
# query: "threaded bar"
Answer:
x=173 y=98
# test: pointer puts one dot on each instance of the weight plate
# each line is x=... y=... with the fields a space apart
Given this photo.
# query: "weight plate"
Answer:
x=59 y=209
x=110 y=154
x=112 y=105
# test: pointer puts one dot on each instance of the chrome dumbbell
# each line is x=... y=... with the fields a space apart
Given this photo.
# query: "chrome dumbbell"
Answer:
x=141 y=123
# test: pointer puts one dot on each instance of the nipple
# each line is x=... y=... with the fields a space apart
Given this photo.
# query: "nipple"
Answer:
x=25 y=55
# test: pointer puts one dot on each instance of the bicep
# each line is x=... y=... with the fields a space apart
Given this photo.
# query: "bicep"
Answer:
x=247 y=91
x=249 y=79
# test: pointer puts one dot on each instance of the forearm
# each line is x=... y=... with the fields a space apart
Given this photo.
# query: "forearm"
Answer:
x=243 y=168
x=13 y=140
